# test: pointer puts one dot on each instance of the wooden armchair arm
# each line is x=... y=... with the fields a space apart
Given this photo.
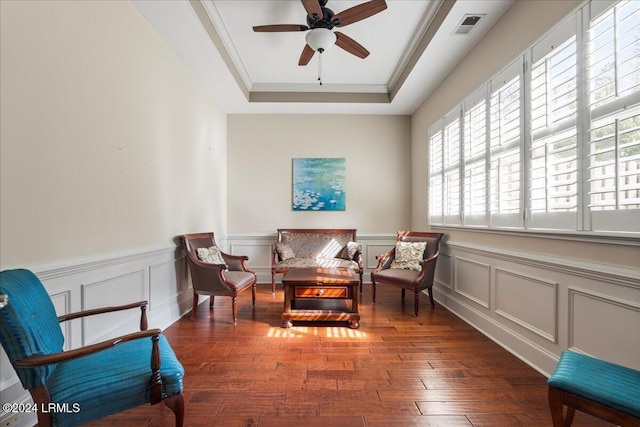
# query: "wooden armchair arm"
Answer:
x=235 y=262
x=430 y=260
x=141 y=304
x=384 y=260
x=50 y=359
x=428 y=268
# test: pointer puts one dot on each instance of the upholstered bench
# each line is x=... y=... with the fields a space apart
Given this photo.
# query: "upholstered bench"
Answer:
x=602 y=389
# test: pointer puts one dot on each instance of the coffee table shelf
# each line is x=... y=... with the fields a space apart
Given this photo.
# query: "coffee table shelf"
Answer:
x=320 y=294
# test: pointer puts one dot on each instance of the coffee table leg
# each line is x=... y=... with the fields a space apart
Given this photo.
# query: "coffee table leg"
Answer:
x=354 y=324
x=287 y=306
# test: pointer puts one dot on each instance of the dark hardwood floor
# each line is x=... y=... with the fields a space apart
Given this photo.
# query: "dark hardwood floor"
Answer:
x=395 y=370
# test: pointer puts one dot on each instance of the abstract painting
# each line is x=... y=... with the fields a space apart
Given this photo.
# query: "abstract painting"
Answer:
x=319 y=184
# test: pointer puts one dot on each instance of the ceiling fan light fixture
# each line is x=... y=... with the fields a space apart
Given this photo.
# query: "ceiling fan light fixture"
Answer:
x=320 y=39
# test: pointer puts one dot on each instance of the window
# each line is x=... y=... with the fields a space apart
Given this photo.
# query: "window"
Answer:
x=553 y=141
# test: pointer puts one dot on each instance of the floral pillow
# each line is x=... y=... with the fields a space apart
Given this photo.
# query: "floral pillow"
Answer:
x=409 y=255
x=210 y=255
x=284 y=251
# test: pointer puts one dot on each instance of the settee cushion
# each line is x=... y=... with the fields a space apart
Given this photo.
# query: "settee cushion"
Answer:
x=408 y=255
x=399 y=276
x=316 y=263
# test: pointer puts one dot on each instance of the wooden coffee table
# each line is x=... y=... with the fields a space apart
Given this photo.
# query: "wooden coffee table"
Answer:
x=320 y=294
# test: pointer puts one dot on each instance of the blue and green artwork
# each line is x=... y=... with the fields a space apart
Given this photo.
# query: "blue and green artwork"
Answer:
x=319 y=184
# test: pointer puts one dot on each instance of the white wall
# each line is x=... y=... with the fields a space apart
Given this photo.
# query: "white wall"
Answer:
x=108 y=142
x=109 y=148
x=260 y=153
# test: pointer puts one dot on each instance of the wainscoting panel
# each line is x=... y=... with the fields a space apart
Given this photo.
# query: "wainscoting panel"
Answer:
x=62 y=303
x=114 y=291
x=259 y=254
x=588 y=312
x=472 y=280
x=164 y=277
x=444 y=271
x=536 y=306
x=527 y=301
x=158 y=275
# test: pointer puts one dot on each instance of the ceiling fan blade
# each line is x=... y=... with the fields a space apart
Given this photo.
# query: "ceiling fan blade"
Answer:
x=277 y=28
x=307 y=54
x=359 y=12
x=350 y=45
x=312 y=7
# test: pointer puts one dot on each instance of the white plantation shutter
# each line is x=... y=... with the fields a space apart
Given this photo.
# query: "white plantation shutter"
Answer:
x=553 y=154
x=435 y=175
x=475 y=159
x=504 y=145
x=452 y=178
x=614 y=173
x=613 y=161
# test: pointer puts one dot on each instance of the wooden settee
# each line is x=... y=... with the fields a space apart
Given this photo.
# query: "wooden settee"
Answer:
x=315 y=247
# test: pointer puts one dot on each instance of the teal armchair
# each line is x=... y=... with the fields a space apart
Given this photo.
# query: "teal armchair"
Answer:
x=87 y=383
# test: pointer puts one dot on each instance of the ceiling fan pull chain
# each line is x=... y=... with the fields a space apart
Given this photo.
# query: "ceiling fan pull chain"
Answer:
x=320 y=68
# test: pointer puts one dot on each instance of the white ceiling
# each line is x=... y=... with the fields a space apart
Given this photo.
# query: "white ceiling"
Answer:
x=412 y=49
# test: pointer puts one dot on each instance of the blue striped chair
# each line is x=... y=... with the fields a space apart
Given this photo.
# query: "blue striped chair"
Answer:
x=77 y=386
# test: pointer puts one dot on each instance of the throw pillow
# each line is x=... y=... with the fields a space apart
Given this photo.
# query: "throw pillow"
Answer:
x=210 y=255
x=349 y=250
x=284 y=251
x=409 y=255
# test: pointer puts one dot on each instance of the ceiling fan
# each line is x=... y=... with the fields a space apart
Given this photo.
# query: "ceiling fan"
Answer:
x=320 y=23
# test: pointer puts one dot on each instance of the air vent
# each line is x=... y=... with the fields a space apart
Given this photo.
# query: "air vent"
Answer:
x=468 y=23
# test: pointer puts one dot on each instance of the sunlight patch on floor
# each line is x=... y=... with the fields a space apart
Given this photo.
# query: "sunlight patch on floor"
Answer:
x=302 y=331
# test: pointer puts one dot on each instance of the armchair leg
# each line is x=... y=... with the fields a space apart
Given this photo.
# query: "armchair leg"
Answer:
x=234 y=309
x=373 y=290
x=211 y=301
x=253 y=293
x=416 y=301
x=40 y=396
x=176 y=404
x=403 y=293
x=195 y=305
x=430 y=289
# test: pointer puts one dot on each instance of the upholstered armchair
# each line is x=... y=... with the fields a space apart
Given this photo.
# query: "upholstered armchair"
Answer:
x=90 y=382
x=413 y=269
x=216 y=273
